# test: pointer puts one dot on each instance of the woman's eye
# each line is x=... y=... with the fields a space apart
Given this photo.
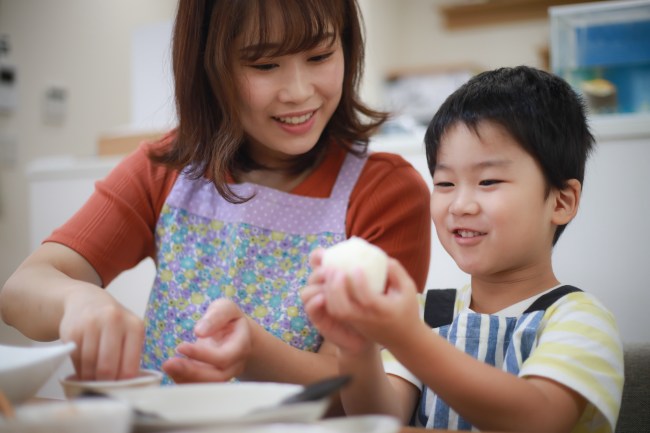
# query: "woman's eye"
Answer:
x=489 y=182
x=264 y=66
x=320 y=57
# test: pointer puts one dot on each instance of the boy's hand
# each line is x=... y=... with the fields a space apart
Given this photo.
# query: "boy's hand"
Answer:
x=314 y=296
x=383 y=318
x=223 y=345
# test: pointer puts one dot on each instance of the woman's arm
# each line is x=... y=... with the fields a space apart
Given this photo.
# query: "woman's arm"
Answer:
x=56 y=293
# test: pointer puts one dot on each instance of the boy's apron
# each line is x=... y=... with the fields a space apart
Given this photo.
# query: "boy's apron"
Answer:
x=503 y=342
x=255 y=253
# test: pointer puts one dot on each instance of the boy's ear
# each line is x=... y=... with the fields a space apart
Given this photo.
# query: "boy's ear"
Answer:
x=567 y=200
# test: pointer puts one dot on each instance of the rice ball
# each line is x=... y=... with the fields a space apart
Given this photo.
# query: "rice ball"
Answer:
x=356 y=253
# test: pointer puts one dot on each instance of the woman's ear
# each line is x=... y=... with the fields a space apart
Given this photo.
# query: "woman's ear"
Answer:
x=567 y=201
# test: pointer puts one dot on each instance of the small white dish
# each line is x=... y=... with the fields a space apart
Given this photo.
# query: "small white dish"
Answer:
x=73 y=387
x=24 y=370
x=81 y=416
x=352 y=424
x=187 y=406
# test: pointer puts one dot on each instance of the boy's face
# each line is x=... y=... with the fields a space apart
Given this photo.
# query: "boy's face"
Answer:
x=488 y=203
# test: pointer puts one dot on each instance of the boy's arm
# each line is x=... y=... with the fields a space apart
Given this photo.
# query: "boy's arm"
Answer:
x=372 y=391
x=487 y=397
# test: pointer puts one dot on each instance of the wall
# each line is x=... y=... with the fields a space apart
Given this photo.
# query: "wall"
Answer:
x=84 y=47
x=411 y=34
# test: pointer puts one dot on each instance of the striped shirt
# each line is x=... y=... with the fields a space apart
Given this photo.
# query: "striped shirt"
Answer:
x=574 y=342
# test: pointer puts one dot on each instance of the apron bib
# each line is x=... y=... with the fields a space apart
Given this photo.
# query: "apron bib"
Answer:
x=254 y=253
x=503 y=342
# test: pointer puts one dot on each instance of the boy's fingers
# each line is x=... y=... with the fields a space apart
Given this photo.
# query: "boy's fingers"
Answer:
x=316 y=257
x=397 y=277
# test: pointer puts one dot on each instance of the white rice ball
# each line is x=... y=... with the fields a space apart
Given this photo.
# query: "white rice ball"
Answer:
x=357 y=253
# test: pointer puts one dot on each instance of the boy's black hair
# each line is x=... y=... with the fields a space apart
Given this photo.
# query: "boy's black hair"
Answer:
x=538 y=109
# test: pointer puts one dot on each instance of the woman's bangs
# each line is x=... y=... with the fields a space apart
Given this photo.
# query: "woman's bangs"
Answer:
x=288 y=27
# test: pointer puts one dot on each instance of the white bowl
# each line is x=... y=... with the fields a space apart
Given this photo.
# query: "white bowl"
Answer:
x=188 y=406
x=24 y=370
x=348 y=424
x=80 y=416
x=73 y=387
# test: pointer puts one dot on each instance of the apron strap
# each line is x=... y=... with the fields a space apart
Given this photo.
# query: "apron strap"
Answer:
x=439 y=304
x=439 y=307
x=348 y=176
x=545 y=301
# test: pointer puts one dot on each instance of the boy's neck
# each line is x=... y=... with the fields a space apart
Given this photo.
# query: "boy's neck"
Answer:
x=490 y=295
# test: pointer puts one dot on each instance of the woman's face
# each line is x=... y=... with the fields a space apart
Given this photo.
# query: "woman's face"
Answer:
x=285 y=101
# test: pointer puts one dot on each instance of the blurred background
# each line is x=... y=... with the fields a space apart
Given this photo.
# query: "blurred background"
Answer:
x=82 y=81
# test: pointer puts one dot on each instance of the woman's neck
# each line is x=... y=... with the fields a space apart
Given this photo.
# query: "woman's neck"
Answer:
x=280 y=180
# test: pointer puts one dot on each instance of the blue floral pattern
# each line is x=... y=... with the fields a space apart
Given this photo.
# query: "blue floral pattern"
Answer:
x=200 y=260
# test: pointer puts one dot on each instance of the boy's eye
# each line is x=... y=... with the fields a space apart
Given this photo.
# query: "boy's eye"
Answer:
x=489 y=182
x=443 y=185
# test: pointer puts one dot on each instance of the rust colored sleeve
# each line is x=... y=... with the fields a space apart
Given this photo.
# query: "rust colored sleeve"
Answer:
x=389 y=207
x=114 y=229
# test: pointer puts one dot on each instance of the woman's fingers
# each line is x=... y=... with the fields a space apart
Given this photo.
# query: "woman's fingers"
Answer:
x=132 y=350
x=88 y=352
x=218 y=317
x=183 y=370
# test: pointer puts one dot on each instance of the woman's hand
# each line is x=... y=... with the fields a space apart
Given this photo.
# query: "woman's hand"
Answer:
x=109 y=337
x=222 y=348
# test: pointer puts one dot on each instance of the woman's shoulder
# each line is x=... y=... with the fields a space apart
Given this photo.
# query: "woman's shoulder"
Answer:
x=138 y=172
x=141 y=157
x=388 y=159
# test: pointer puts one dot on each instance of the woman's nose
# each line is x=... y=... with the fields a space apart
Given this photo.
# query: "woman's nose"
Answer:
x=296 y=86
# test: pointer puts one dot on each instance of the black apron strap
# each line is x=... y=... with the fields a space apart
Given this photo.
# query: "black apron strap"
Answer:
x=545 y=301
x=439 y=307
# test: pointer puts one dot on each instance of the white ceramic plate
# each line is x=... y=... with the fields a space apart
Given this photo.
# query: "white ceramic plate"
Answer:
x=354 y=424
x=197 y=405
x=24 y=370
x=96 y=416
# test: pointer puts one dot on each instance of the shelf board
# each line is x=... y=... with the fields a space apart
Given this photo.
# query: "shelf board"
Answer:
x=489 y=12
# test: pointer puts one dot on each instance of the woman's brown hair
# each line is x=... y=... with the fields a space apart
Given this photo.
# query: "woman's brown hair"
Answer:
x=209 y=138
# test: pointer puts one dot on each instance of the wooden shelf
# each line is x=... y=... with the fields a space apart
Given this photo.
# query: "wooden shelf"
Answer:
x=489 y=12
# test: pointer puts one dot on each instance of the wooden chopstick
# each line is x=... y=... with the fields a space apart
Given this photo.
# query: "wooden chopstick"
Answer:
x=6 y=408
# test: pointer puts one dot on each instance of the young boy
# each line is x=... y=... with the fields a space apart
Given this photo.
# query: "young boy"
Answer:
x=515 y=350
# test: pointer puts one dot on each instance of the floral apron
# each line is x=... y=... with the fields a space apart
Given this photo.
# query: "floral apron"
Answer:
x=503 y=342
x=254 y=253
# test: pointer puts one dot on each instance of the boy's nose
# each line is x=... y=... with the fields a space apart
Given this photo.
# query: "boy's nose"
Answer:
x=464 y=203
